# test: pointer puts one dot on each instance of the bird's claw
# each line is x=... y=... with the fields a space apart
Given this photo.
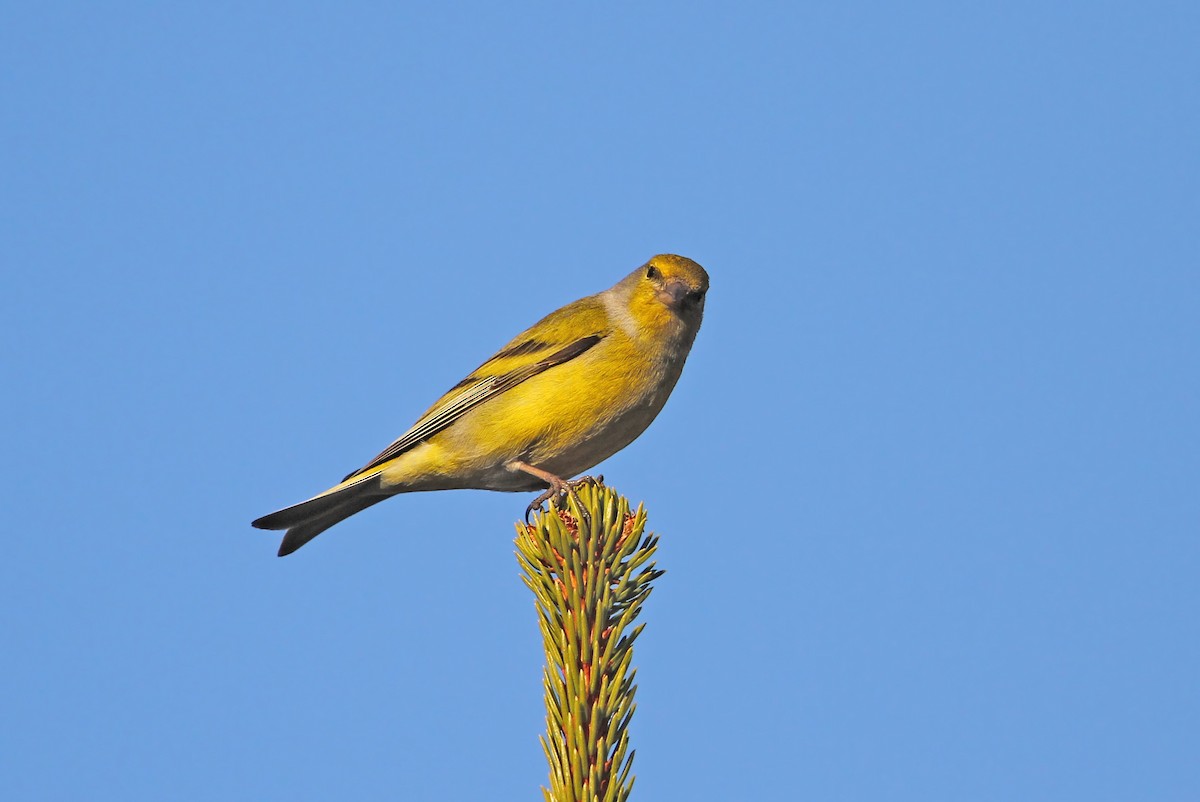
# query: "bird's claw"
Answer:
x=557 y=493
x=536 y=504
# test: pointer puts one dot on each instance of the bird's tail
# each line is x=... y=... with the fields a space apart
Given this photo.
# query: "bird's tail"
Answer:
x=306 y=520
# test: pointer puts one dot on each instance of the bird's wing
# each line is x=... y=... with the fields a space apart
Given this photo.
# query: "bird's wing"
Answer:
x=532 y=352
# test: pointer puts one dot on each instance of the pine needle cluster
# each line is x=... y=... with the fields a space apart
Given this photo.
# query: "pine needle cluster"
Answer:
x=588 y=565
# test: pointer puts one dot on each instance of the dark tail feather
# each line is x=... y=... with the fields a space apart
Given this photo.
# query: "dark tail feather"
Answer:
x=297 y=536
x=306 y=520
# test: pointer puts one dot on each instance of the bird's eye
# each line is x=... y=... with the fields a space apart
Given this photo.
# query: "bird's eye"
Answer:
x=651 y=272
x=695 y=296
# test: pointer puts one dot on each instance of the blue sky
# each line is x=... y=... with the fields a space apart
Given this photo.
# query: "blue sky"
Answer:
x=927 y=490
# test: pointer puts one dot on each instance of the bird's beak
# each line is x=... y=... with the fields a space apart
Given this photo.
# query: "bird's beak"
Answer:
x=673 y=293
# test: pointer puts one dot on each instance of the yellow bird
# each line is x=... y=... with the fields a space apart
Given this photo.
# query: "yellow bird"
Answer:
x=569 y=392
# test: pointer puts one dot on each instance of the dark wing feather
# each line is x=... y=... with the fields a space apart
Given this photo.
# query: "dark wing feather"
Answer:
x=472 y=392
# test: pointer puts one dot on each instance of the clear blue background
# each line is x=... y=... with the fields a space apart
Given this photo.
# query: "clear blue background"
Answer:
x=927 y=490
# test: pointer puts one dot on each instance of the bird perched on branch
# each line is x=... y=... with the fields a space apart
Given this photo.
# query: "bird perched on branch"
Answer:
x=574 y=389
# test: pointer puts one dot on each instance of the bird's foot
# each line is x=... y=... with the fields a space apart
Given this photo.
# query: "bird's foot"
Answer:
x=536 y=504
x=595 y=481
x=560 y=490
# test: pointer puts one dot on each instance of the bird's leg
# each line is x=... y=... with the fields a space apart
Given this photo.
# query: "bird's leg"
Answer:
x=558 y=486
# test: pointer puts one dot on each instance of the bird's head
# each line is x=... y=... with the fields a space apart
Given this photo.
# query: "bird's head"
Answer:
x=666 y=296
x=676 y=282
